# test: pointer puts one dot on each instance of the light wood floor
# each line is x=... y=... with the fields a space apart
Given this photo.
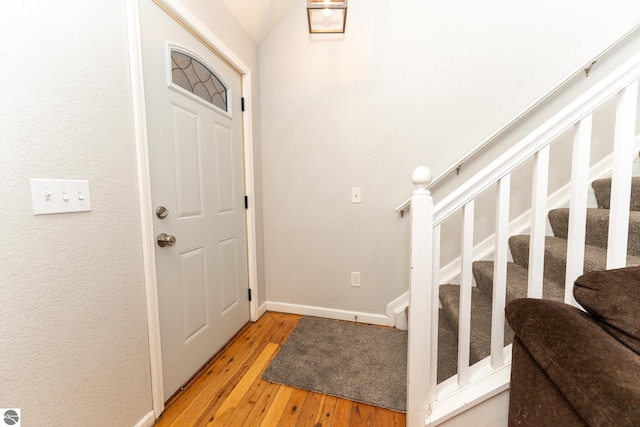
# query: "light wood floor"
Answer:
x=230 y=392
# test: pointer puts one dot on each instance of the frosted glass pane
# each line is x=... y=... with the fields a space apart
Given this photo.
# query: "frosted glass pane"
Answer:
x=191 y=75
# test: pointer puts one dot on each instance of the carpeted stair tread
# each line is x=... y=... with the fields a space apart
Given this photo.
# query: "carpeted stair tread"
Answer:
x=517 y=282
x=447 y=349
x=602 y=190
x=597 y=230
x=555 y=256
x=480 y=319
x=517 y=275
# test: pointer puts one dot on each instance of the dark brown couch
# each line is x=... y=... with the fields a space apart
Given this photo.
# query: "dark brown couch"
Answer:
x=571 y=368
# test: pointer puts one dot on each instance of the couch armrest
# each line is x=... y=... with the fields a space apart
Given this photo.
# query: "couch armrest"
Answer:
x=599 y=376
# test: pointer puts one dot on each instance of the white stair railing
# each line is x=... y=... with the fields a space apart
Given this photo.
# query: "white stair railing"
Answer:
x=430 y=403
x=420 y=350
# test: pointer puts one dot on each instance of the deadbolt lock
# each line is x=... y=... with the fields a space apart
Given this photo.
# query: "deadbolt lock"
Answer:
x=162 y=212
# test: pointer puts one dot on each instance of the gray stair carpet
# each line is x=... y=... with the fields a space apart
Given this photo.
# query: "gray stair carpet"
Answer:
x=480 y=319
x=517 y=275
x=597 y=233
x=517 y=282
x=447 y=350
x=555 y=262
x=602 y=189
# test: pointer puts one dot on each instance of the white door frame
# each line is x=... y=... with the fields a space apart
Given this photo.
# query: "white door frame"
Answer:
x=179 y=12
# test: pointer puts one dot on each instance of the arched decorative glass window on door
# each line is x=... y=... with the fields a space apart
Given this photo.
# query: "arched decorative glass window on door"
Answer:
x=196 y=78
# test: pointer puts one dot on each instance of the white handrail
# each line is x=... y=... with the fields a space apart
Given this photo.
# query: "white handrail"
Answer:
x=582 y=106
x=586 y=67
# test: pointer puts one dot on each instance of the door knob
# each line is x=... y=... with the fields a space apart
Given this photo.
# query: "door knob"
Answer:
x=166 y=240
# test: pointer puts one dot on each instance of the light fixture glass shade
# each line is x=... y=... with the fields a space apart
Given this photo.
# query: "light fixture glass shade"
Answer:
x=327 y=16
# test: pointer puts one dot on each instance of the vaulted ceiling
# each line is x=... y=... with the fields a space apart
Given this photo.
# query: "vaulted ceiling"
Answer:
x=258 y=17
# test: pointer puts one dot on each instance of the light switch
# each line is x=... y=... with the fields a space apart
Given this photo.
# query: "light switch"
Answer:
x=52 y=196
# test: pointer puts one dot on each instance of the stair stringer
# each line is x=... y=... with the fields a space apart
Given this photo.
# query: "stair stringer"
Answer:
x=396 y=311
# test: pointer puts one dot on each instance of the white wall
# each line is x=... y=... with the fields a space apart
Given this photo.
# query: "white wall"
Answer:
x=410 y=84
x=73 y=320
x=74 y=329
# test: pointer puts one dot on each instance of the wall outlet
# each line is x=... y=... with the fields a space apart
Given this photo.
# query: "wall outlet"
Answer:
x=356 y=195
x=355 y=279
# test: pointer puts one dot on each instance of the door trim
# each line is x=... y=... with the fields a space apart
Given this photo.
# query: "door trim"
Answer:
x=192 y=24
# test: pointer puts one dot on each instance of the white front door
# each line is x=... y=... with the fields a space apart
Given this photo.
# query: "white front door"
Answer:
x=194 y=124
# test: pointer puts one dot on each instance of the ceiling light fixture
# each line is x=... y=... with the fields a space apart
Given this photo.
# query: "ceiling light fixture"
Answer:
x=327 y=16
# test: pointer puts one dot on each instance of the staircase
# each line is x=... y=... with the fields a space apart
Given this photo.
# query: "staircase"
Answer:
x=459 y=351
x=596 y=239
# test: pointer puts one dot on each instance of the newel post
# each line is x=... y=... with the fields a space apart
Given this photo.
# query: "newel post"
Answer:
x=419 y=358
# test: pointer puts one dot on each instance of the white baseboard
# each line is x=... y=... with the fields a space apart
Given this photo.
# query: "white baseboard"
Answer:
x=262 y=309
x=329 y=313
x=397 y=307
x=146 y=421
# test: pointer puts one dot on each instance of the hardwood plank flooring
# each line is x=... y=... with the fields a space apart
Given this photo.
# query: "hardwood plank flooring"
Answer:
x=229 y=391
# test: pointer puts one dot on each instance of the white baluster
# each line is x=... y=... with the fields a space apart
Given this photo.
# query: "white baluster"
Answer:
x=538 y=221
x=578 y=205
x=435 y=310
x=621 y=176
x=420 y=300
x=466 y=283
x=500 y=271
